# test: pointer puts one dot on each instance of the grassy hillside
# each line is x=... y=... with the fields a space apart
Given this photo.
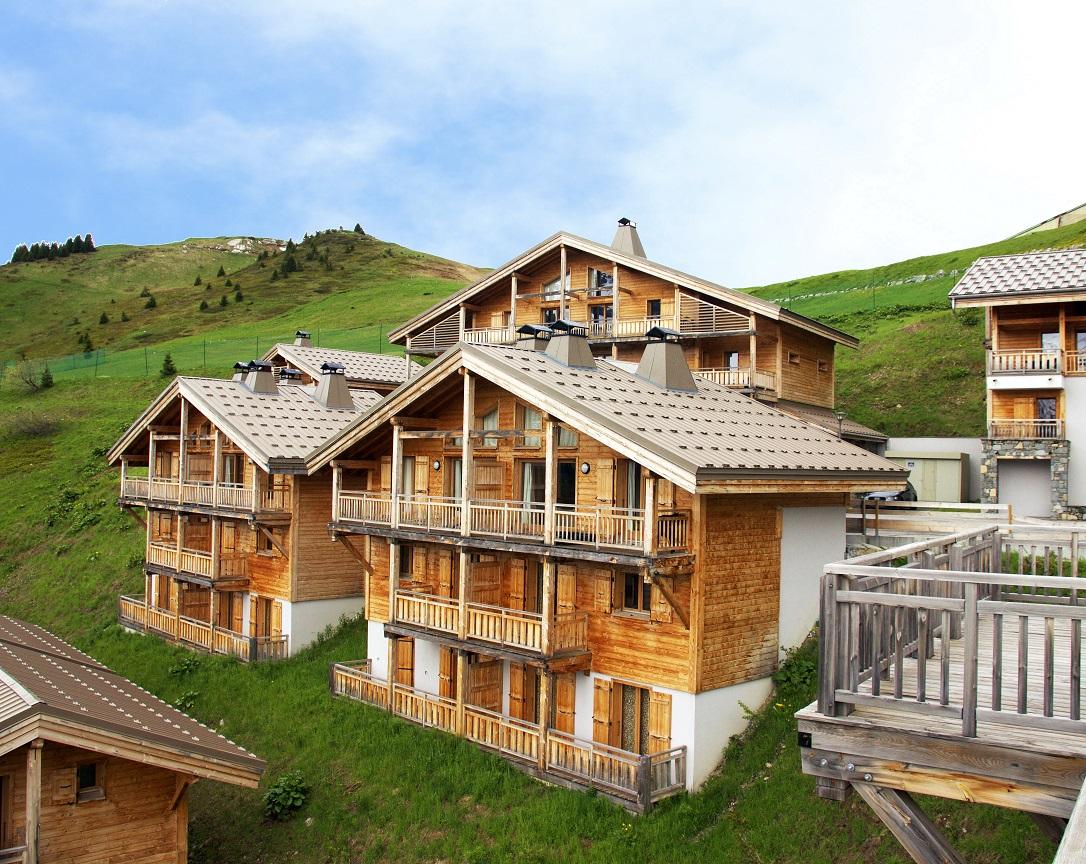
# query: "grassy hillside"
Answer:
x=920 y=366
x=345 y=279
x=384 y=790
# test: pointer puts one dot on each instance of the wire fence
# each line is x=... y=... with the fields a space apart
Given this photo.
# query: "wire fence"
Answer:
x=197 y=354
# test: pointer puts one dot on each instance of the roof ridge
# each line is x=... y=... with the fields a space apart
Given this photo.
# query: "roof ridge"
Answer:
x=1032 y=252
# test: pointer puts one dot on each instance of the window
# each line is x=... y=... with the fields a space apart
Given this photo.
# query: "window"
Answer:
x=636 y=594
x=731 y=359
x=652 y=309
x=490 y=422
x=793 y=357
x=552 y=290
x=233 y=469
x=264 y=545
x=1050 y=341
x=407 y=476
x=1046 y=408
x=89 y=782
x=567 y=483
x=823 y=366
x=530 y=419
x=533 y=482
x=454 y=477
x=600 y=283
x=550 y=316
x=633 y=718
x=566 y=437
x=601 y=316
x=407 y=561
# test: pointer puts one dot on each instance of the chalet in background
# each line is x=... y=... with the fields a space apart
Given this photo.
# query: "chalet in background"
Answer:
x=238 y=557
x=381 y=373
x=587 y=565
x=92 y=767
x=736 y=339
x=1035 y=327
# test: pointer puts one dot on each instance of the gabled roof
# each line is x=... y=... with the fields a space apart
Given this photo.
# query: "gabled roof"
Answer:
x=1034 y=274
x=276 y=430
x=47 y=685
x=696 y=438
x=360 y=367
x=825 y=418
x=633 y=262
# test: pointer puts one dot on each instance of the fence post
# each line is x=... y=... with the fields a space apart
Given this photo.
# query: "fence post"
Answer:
x=827 y=641
x=146 y=367
x=969 y=680
x=644 y=784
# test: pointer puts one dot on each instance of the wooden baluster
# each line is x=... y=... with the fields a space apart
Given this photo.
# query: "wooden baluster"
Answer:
x=944 y=658
x=970 y=627
x=997 y=662
x=876 y=655
x=1023 y=661
x=1048 y=665
x=899 y=650
x=922 y=637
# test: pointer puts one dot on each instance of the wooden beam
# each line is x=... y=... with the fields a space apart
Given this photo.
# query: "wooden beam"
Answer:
x=271 y=539
x=1073 y=845
x=673 y=602
x=358 y=556
x=397 y=478
x=371 y=464
x=132 y=512
x=407 y=420
x=920 y=837
x=181 y=783
x=33 y=799
x=467 y=454
x=1052 y=827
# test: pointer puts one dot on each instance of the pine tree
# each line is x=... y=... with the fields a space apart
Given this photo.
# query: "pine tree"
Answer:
x=168 y=368
x=197 y=281
x=222 y=272
x=124 y=316
x=69 y=246
x=223 y=301
x=88 y=243
x=46 y=379
x=77 y=243
x=238 y=297
x=103 y=318
x=290 y=246
x=88 y=346
x=51 y=252
x=228 y=283
x=358 y=228
x=151 y=303
x=203 y=305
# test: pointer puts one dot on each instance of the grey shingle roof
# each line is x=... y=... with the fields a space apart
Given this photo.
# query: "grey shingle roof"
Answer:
x=359 y=366
x=1037 y=273
x=825 y=418
x=43 y=675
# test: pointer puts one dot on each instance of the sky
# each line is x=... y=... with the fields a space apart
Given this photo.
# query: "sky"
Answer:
x=750 y=142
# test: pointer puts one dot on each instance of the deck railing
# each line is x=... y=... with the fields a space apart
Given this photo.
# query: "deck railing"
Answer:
x=509 y=627
x=740 y=378
x=1074 y=362
x=134 y=612
x=1025 y=362
x=490 y=335
x=628 y=328
x=984 y=625
x=435 y=339
x=135 y=487
x=598 y=527
x=641 y=780
x=165 y=489
x=231 y=496
x=1040 y=429
x=428 y=610
x=13 y=855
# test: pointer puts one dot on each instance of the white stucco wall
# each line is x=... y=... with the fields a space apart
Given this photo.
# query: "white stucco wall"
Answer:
x=811 y=537
x=303 y=622
x=582 y=717
x=377 y=649
x=1026 y=484
x=427 y=666
x=717 y=716
x=1075 y=413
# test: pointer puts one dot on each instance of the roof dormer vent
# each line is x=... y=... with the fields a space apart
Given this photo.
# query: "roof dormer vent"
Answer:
x=533 y=336
x=627 y=240
x=664 y=363
x=240 y=368
x=568 y=345
x=332 y=390
x=302 y=340
x=290 y=376
x=260 y=378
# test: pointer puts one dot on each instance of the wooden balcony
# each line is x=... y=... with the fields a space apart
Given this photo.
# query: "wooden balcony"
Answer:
x=952 y=667
x=1026 y=429
x=490 y=335
x=631 y=779
x=231 y=568
x=496 y=626
x=134 y=613
x=13 y=855
x=217 y=496
x=591 y=527
x=1025 y=362
x=740 y=379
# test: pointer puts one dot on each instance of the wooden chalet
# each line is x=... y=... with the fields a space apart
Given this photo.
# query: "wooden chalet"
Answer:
x=93 y=768
x=381 y=373
x=238 y=559
x=953 y=667
x=618 y=295
x=584 y=564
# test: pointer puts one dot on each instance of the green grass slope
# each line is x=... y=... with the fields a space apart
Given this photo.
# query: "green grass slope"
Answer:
x=920 y=366
x=383 y=789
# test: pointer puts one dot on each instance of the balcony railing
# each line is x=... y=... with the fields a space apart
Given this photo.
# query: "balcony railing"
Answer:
x=134 y=612
x=1040 y=429
x=197 y=563
x=229 y=496
x=630 y=777
x=13 y=855
x=740 y=378
x=597 y=527
x=1074 y=362
x=1025 y=362
x=490 y=335
x=628 y=328
x=497 y=625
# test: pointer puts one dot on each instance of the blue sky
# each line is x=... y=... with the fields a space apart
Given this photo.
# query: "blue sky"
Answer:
x=751 y=141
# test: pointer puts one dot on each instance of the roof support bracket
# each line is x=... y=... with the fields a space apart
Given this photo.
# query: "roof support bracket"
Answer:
x=672 y=601
x=358 y=556
x=271 y=539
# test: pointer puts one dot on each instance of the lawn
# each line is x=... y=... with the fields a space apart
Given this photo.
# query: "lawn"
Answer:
x=383 y=789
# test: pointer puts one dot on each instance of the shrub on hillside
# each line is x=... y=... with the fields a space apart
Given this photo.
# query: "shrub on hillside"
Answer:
x=168 y=369
x=358 y=228
x=103 y=318
x=203 y=305
x=238 y=297
x=124 y=316
x=46 y=378
x=223 y=301
x=285 y=796
x=151 y=302
x=146 y=292
x=196 y=281
x=222 y=271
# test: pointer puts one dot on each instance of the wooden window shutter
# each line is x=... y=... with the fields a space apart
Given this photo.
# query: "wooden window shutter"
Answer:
x=496 y=319
x=447 y=674
x=422 y=475
x=444 y=575
x=567 y=589
x=277 y=619
x=665 y=494
x=565 y=701
x=601 y=711
x=62 y=788
x=237 y=611
x=604 y=590
x=661 y=609
x=517 y=680
x=386 y=473
x=518 y=583
x=659 y=722
x=405 y=662
x=252 y=614
x=486 y=685
x=418 y=563
x=605 y=480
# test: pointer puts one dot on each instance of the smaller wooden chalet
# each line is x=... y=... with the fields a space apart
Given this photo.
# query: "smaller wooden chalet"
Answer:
x=238 y=558
x=93 y=768
x=381 y=373
x=584 y=564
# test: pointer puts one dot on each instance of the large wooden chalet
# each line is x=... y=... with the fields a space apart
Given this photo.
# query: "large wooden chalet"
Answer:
x=238 y=557
x=585 y=564
x=736 y=339
x=381 y=373
x=92 y=768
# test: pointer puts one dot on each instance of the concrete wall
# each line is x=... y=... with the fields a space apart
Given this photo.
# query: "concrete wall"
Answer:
x=377 y=648
x=970 y=446
x=811 y=537
x=1075 y=413
x=427 y=666
x=1026 y=484
x=304 y=621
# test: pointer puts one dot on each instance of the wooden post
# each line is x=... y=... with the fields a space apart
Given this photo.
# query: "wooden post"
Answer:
x=150 y=463
x=675 y=304
x=33 y=799
x=255 y=485
x=513 y=307
x=216 y=462
x=1063 y=336
x=393 y=576
x=650 y=513
x=909 y=824
x=397 y=471
x=550 y=570
x=461 y=675
x=407 y=362
x=753 y=349
x=550 y=429
x=614 y=296
x=463 y=322
x=148 y=584
x=969 y=679
x=216 y=556
x=562 y=281
x=182 y=447
x=337 y=484
x=827 y=643
x=644 y=784
x=124 y=472
x=177 y=611
x=545 y=682
x=466 y=454
x=391 y=664
x=214 y=614
x=462 y=596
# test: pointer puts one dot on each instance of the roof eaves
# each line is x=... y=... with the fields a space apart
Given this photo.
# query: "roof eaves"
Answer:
x=233 y=432
x=141 y=422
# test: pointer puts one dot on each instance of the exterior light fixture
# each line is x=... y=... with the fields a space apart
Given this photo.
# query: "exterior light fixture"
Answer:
x=840 y=415
x=585 y=467
x=436 y=464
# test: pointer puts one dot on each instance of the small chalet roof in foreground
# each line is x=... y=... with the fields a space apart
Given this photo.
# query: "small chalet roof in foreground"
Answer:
x=634 y=262
x=825 y=418
x=48 y=689
x=276 y=430
x=1033 y=275
x=706 y=438
x=360 y=367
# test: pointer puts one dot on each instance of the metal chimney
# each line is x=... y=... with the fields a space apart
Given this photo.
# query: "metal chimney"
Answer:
x=664 y=363
x=627 y=240
x=569 y=345
x=260 y=378
x=302 y=340
x=332 y=390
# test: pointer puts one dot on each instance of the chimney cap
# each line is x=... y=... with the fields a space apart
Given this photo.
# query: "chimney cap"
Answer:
x=260 y=364
x=625 y=221
x=564 y=326
x=289 y=374
x=663 y=334
x=242 y=366
x=332 y=368
x=539 y=330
